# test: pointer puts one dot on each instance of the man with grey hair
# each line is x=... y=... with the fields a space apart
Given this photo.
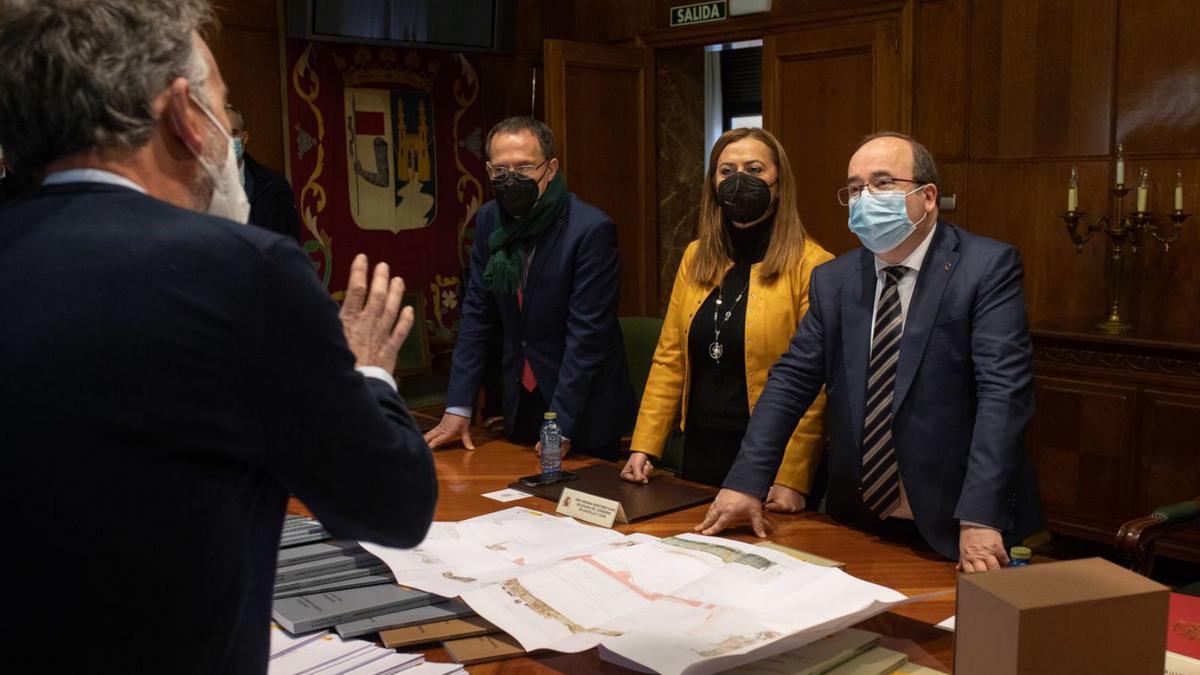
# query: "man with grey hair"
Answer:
x=921 y=339
x=170 y=376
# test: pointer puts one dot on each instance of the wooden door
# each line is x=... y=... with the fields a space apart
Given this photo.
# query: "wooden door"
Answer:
x=600 y=104
x=824 y=88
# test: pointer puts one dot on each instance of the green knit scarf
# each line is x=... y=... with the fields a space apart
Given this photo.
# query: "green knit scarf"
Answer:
x=511 y=239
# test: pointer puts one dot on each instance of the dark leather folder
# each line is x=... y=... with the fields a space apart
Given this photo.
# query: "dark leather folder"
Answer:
x=663 y=494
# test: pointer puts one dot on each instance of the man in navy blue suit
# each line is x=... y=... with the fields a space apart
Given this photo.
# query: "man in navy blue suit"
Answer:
x=922 y=343
x=170 y=375
x=545 y=282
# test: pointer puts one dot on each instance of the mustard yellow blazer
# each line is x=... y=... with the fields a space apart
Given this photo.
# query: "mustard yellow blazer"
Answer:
x=772 y=314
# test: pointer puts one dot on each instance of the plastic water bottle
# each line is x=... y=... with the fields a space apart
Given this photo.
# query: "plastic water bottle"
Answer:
x=551 y=437
x=1019 y=556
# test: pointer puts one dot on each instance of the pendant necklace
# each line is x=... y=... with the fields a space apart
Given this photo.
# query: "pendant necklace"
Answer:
x=716 y=349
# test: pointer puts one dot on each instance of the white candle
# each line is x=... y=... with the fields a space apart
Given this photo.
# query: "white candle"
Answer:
x=1179 y=191
x=1073 y=191
x=1143 y=190
x=1120 y=165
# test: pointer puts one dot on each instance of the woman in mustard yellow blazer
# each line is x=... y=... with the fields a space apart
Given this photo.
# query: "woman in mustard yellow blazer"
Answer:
x=740 y=292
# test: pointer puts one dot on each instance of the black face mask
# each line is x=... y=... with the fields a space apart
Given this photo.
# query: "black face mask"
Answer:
x=743 y=198
x=516 y=194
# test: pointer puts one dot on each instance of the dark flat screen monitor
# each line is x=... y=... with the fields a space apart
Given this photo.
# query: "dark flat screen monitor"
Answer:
x=461 y=25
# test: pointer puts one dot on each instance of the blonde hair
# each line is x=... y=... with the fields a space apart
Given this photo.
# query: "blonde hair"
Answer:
x=788 y=238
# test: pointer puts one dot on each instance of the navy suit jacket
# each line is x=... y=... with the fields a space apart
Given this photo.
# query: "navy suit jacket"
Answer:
x=567 y=327
x=167 y=379
x=963 y=393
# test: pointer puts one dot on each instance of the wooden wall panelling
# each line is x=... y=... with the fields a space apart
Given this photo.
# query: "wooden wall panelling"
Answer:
x=1041 y=76
x=247 y=13
x=612 y=20
x=823 y=90
x=1019 y=203
x=600 y=104
x=953 y=181
x=1170 y=446
x=942 y=84
x=1158 y=77
x=538 y=20
x=246 y=47
x=1081 y=439
x=506 y=88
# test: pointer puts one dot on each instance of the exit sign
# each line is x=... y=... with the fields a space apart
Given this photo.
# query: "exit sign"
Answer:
x=701 y=12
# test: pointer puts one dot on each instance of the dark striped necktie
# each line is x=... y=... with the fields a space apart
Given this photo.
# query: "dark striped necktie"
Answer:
x=880 y=475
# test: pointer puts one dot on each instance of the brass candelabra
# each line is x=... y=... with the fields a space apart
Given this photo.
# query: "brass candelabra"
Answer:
x=1124 y=228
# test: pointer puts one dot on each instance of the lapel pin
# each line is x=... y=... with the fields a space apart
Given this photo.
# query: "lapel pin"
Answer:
x=947 y=267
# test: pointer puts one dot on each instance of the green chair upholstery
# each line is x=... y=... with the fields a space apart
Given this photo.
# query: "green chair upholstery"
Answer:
x=641 y=339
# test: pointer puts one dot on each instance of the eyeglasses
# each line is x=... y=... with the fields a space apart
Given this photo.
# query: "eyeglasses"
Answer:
x=881 y=184
x=500 y=173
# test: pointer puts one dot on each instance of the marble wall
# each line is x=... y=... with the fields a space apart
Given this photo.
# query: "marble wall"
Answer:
x=681 y=162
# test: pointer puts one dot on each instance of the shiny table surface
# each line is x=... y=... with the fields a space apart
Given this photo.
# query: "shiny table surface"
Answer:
x=464 y=476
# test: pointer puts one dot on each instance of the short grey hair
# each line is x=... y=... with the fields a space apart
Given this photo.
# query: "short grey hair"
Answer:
x=924 y=168
x=519 y=123
x=82 y=75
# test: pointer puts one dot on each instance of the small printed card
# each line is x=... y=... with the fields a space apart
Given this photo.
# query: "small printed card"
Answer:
x=507 y=495
x=590 y=508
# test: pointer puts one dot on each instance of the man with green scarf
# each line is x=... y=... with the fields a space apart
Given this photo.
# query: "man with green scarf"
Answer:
x=544 y=283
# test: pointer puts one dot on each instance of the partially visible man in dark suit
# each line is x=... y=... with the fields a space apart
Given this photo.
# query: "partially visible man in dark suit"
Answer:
x=169 y=375
x=922 y=342
x=272 y=205
x=545 y=281
x=11 y=182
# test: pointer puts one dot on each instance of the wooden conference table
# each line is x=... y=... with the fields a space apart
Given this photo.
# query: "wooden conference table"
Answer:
x=464 y=476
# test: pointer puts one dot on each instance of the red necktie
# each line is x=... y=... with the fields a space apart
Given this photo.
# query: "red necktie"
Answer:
x=527 y=379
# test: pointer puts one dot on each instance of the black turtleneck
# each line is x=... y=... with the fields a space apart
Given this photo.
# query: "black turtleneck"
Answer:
x=717 y=396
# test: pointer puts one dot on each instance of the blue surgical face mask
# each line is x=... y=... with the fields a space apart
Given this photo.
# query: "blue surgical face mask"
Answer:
x=238 y=149
x=880 y=219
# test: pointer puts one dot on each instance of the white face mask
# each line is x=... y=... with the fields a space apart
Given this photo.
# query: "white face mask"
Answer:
x=228 y=197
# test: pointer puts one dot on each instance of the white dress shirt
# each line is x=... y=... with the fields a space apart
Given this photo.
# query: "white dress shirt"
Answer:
x=110 y=178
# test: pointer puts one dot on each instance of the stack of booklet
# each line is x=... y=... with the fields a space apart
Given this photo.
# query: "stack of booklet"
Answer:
x=322 y=584
x=325 y=654
x=847 y=652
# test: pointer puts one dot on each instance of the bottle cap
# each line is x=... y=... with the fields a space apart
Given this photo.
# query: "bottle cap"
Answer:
x=550 y=416
x=1021 y=553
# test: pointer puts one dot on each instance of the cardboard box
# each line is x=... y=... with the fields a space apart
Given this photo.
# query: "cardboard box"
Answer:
x=1077 y=616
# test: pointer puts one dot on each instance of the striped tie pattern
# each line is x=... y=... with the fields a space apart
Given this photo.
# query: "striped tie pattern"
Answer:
x=880 y=475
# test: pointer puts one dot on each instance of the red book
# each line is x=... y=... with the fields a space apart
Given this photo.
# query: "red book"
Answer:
x=1183 y=634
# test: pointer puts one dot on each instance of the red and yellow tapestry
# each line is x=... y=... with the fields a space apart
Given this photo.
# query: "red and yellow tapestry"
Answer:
x=386 y=159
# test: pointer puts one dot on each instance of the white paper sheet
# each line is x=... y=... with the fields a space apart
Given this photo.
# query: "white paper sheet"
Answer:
x=687 y=604
x=328 y=654
x=326 y=650
x=283 y=642
x=507 y=495
x=459 y=557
